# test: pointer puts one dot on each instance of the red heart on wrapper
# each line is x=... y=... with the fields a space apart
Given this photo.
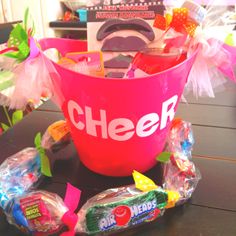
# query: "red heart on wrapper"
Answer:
x=122 y=215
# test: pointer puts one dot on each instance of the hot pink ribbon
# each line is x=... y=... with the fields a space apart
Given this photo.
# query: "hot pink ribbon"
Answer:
x=70 y=218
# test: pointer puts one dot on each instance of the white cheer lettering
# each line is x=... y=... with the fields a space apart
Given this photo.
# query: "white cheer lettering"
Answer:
x=72 y=107
x=168 y=111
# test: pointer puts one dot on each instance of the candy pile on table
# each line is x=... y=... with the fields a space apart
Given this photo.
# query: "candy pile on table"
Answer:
x=45 y=213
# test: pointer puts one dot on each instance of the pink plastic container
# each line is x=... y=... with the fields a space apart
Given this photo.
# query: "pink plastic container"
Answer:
x=118 y=125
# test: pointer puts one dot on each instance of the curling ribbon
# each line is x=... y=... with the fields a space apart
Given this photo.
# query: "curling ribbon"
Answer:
x=143 y=183
x=70 y=218
x=178 y=20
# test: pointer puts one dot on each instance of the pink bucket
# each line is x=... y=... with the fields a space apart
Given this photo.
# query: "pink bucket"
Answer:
x=118 y=125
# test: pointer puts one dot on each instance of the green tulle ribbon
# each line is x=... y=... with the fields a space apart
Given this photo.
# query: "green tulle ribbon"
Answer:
x=19 y=40
x=45 y=164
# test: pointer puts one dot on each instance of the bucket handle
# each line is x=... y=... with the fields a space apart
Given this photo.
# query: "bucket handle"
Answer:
x=63 y=45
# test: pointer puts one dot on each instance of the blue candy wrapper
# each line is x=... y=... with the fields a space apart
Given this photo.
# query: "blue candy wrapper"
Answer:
x=19 y=173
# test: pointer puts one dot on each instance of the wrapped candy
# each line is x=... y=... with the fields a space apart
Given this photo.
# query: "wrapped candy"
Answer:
x=44 y=213
x=124 y=207
x=56 y=136
x=18 y=173
x=22 y=171
x=182 y=176
x=120 y=208
x=180 y=138
x=180 y=173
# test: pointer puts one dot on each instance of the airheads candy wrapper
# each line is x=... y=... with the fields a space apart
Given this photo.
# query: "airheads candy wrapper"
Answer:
x=120 y=208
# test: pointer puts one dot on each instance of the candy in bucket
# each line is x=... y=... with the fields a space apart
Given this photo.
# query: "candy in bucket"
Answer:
x=171 y=47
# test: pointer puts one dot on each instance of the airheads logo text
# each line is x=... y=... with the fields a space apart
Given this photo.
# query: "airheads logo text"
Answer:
x=122 y=215
x=120 y=129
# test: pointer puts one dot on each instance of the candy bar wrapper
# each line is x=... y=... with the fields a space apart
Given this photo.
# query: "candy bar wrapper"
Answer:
x=19 y=173
x=57 y=136
x=37 y=212
x=120 y=208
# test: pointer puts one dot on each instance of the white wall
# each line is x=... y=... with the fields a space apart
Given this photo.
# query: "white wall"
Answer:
x=51 y=11
x=41 y=11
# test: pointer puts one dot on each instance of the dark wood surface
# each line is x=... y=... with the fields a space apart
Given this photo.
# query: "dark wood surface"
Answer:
x=211 y=211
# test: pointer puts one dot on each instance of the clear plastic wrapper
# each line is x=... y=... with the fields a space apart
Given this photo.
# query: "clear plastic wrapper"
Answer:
x=120 y=208
x=44 y=213
x=125 y=207
x=182 y=176
x=180 y=173
x=19 y=173
x=57 y=136
x=22 y=171
x=37 y=212
x=180 y=139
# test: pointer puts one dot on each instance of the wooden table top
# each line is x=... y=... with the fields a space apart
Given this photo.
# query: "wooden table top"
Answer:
x=211 y=211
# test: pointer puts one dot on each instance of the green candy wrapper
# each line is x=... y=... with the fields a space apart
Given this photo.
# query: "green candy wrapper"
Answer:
x=120 y=208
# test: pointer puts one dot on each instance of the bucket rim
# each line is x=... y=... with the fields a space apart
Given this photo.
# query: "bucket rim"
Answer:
x=192 y=57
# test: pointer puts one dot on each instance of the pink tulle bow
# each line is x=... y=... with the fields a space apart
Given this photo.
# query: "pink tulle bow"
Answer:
x=215 y=61
x=32 y=79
